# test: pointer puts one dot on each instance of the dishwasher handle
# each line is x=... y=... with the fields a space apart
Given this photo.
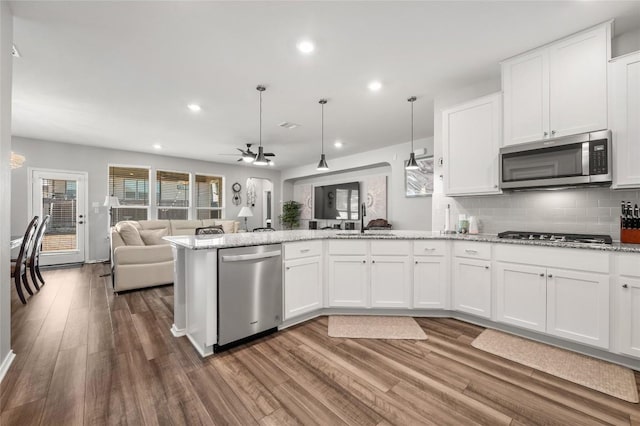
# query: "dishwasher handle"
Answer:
x=252 y=256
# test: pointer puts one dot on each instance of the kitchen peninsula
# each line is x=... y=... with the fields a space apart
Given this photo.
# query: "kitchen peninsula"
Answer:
x=572 y=295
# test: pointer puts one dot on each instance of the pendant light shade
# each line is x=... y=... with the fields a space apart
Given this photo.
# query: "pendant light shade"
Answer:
x=412 y=164
x=322 y=165
x=260 y=160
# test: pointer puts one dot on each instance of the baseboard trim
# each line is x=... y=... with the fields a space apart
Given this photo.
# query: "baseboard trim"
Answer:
x=178 y=332
x=204 y=352
x=6 y=363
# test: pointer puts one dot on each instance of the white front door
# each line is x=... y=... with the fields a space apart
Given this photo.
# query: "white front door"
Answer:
x=61 y=195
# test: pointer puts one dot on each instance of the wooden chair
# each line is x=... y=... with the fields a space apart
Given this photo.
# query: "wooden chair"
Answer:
x=19 y=267
x=34 y=259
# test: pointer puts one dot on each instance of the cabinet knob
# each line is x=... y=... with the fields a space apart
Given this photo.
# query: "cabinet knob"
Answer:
x=553 y=132
x=364 y=261
x=546 y=134
x=373 y=261
x=287 y=268
x=486 y=267
x=542 y=275
x=495 y=186
x=416 y=262
x=550 y=276
x=625 y=285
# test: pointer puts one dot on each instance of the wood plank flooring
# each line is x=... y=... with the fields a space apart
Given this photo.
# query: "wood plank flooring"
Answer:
x=87 y=356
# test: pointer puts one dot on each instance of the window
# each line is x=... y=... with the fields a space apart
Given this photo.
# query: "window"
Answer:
x=209 y=196
x=172 y=195
x=131 y=186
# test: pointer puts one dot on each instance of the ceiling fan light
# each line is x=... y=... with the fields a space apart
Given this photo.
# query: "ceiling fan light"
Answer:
x=412 y=164
x=322 y=165
x=248 y=158
x=261 y=160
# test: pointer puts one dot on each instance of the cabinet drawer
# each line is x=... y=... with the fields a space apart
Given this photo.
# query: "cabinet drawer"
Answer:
x=348 y=247
x=390 y=248
x=429 y=248
x=473 y=250
x=629 y=264
x=302 y=249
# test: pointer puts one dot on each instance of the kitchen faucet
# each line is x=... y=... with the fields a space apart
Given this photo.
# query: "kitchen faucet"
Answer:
x=363 y=213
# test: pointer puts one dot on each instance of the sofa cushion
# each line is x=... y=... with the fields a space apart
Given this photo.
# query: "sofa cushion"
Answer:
x=155 y=224
x=185 y=227
x=133 y=223
x=130 y=234
x=153 y=237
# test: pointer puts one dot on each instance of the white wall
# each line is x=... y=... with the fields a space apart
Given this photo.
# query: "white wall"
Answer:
x=626 y=42
x=95 y=161
x=6 y=37
x=403 y=212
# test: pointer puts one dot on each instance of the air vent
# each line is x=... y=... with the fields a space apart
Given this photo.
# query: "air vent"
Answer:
x=288 y=125
x=14 y=52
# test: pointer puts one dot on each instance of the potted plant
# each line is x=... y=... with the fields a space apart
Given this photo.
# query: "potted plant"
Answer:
x=290 y=217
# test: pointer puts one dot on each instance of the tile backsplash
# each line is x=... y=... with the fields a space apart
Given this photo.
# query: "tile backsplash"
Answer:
x=584 y=210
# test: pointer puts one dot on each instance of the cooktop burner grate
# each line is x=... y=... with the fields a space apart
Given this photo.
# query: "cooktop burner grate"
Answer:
x=556 y=237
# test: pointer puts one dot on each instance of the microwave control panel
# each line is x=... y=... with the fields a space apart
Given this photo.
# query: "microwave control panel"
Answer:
x=598 y=158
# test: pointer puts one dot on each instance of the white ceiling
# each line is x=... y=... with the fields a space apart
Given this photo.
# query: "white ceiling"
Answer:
x=120 y=74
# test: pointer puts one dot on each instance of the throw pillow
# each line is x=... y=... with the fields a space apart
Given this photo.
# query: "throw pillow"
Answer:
x=208 y=230
x=227 y=225
x=153 y=237
x=130 y=234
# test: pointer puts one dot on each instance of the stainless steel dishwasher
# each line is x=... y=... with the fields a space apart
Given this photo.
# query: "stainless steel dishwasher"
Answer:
x=249 y=292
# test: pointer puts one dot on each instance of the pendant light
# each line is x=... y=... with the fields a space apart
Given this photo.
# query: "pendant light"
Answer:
x=412 y=164
x=322 y=165
x=260 y=160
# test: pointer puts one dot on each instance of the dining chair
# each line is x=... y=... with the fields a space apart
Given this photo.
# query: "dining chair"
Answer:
x=36 y=248
x=19 y=267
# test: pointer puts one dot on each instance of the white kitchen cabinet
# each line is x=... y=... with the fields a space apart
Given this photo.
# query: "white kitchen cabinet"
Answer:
x=472 y=286
x=430 y=282
x=348 y=281
x=559 y=89
x=302 y=286
x=578 y=306
x=390 y=281
x=472 y=135
x=629 y=319
x=624 y=119
x=522 y=295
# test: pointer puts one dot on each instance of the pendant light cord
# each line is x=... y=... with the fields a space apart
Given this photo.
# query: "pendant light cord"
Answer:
x=260 y=117
x=322 y=127
x=411 y=126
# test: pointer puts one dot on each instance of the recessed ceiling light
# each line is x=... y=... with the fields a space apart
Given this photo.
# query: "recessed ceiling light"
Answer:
x=337 y=144
x=375 y=85
x=306 y=46
x=194 y=107
x=157 y=146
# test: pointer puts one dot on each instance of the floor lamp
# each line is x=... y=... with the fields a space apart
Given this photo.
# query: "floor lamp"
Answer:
x=245 y=212
x=110 y=201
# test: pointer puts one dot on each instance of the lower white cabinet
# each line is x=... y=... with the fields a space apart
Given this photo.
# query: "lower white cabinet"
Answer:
x=472 y=286
x=348 y=281
x=521 y=298
x=430 y=282
x=578 y=306
x=302 y=286
x=628 y=293
x=390 y=282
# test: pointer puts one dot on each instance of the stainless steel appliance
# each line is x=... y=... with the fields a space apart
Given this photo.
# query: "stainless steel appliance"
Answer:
x=557 y=237
x=583 y=159
x=249 y=292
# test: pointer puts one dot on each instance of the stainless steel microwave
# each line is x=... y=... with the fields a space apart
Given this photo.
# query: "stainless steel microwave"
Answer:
x=583 y=159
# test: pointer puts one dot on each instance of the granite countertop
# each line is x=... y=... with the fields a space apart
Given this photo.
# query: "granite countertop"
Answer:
x=203 y=242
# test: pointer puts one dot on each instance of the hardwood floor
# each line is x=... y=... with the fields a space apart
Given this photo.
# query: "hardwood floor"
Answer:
x=86 y=356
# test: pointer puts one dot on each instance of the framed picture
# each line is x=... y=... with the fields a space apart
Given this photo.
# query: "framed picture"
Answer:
x=419 y=182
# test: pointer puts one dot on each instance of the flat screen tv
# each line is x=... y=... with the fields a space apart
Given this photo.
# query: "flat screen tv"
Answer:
x=340 y=201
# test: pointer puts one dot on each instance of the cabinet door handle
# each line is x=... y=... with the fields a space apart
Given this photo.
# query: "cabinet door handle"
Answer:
x=287 y=268
x=471 y=251
x=546 y=134
x=550 y=276
x=373 y=261
x=542 y=275
x=416 y=262
x=364 y=261
x=486 y=267
x=625 y=285
x=553 y=132
x=304 y=250
x=429 y=248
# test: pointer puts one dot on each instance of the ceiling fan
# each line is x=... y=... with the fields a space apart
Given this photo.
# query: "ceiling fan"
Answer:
x=249 y=156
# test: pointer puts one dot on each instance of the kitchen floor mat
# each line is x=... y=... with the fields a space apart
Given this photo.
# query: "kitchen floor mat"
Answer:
x=592 y=373
x=375 y=327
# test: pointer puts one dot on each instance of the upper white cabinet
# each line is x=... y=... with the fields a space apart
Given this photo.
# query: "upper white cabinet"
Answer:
x=472 y=134
x=557 y=90
x=624 y=119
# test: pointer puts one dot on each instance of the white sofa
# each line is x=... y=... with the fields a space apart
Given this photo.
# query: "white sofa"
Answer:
x=141 y=258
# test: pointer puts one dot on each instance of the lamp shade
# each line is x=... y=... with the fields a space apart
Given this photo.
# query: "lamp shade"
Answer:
x=111 y=201
x=245 y=212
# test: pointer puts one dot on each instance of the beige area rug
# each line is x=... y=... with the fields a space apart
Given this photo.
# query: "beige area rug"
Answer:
x=590 y=372
x=373 y=327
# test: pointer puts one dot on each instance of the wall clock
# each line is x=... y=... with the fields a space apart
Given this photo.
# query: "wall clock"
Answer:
x=236 y=188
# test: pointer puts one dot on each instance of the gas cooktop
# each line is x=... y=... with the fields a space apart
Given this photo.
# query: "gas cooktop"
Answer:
x=557 y=237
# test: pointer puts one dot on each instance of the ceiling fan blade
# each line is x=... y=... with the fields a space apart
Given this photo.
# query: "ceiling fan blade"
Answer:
x=239 y=159
x=241 y=150
x=269 y=154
